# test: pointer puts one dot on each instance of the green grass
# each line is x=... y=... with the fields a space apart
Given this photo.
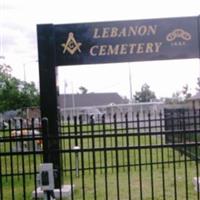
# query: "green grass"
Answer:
x=19 y=188
x=177 y=173
x=135 y=184
x=123 y=184
x=146 y=162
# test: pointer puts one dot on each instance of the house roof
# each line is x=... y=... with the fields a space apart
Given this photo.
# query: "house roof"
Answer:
x=195 y=97
x=90 y=99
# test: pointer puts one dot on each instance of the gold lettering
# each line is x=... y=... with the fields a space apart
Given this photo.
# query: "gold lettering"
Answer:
x=152 y=30
x=132 y=31
x=96 y=35
x=157 y=46
x=122 y=32
x=123 y=50
x=132 y=48
x=140 y=48
x=106 y=32
x=113 y=50
x=94 y=50
x=114 y=32
x=102 y=50
x=149 y=47
x=142 y=30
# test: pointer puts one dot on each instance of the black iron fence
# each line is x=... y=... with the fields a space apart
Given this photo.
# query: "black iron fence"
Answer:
x=138 y=156
x=20 y=154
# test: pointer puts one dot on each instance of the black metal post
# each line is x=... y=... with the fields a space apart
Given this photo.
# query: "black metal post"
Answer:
x=48 y=96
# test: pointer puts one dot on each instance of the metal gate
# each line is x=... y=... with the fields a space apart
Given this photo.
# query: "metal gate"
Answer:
x=137 y=156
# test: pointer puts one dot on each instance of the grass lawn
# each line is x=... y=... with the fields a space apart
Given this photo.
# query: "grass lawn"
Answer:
x=154 y=173
x=136 y=184
x=157 y=181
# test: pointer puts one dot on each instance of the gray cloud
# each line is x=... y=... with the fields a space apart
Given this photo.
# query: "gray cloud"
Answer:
x=18 y=39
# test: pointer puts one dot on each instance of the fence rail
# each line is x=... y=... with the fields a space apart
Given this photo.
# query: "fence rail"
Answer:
x=137 y=156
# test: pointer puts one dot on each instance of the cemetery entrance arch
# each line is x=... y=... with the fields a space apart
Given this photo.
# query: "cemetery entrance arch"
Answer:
x=106 y=42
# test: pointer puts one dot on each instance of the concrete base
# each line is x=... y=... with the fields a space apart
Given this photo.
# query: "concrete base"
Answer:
x=65 y=192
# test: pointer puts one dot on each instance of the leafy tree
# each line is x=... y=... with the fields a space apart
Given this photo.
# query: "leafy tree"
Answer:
x=198 y=84
x=14 y=93
x=185 y=92
x=145 y=95
x=179 y=96
x=176 y=97
x=5 y=69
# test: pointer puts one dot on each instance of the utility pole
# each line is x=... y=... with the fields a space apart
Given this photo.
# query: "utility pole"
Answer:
x=65 y=105
x=130 y=85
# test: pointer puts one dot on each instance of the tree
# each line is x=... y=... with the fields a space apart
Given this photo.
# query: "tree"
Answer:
x=179 y=96
x=145 y=95
x=176 y=97
x=83 y=90
x=185 y=92
x=14 y=93
x=198 y=84
x=5 y=69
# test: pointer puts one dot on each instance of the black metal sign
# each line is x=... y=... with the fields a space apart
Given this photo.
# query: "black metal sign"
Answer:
x=125 y=41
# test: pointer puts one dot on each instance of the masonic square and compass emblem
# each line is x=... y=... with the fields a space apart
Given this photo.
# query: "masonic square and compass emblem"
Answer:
x=71 y=45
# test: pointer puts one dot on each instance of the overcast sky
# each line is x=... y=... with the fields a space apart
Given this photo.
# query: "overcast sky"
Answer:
x=18 y=44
